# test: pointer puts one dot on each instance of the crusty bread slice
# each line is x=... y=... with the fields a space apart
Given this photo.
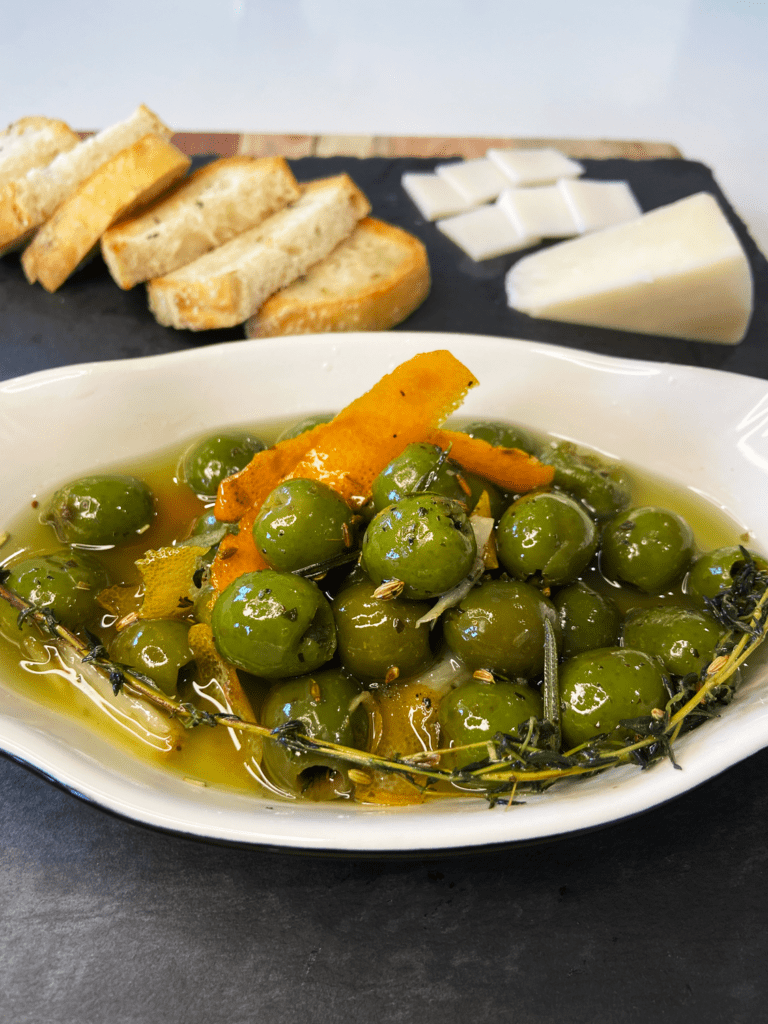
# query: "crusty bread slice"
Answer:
x=370 y=282
x=227 y=285
x=214 y=204
x=32 y=142
x=134 y=176
x=26 y=202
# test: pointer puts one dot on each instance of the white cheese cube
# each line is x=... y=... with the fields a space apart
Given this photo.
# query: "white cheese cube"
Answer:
x=678 y=271
x=433 y=196
x=534 y=166
x=485 y=232
x=540 y=210
x=599 y=204
x=477 y=180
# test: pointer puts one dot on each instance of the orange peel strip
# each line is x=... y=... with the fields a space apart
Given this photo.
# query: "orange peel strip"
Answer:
x=167 y=574
x=510 y=468
x=347 y=453
x=220 y=677
x=400 y=409
x=241 y=491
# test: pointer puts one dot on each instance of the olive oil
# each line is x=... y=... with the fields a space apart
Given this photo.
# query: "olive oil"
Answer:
x=216 y=756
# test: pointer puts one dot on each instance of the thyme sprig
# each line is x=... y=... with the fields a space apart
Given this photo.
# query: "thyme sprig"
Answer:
x=91 y=651
x=529 y=757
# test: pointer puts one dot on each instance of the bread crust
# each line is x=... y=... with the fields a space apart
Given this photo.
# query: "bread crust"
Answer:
x=213 y=205
x=377 y=303
x=28 y=201
x=32 y=142
x=227 y=285
x=135 y=176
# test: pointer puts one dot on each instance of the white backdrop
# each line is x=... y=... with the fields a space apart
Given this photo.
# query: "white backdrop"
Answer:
x=692 y=72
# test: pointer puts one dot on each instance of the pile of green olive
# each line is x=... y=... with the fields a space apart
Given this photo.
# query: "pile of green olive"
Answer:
x=343 y=609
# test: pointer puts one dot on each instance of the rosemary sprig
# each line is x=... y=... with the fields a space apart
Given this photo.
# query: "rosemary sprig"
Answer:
x=551 y=688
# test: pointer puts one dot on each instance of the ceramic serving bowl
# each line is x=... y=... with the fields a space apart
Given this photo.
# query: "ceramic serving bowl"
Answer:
x=703 y=429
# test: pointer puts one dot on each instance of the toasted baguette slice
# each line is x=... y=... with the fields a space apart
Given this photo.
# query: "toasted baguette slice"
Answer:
x=370 y=282
x=135 y=176
x=26 y=202
x=32 y=142
x=227 y=285
x=214 y=204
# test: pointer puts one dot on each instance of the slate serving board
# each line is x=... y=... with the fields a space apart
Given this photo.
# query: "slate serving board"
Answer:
x=662 y=916
x=90 y=318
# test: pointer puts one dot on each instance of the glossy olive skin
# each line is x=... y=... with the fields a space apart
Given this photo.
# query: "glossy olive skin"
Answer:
x=423 y=467
x=308 y=423
x=303 y=522
x=547 y=536
x=204 y=602
x=588 y=619
x=497 y=500
x=376 y=637
x=600 y=688
x=204 y=524
x=475 y=711
x=712 y=573
x=604 y=488
x=274 y=624
x=424 y=540
x=503 y=435
x=500 y=626
x=649 y=548
x=682 y=639
x=323 y=704
x=100 y=510
x=419 y=467
x=215 y=458
x=157 y=648
x=67 y=583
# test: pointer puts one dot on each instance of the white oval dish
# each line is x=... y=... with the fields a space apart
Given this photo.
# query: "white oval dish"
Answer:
x=701 y=428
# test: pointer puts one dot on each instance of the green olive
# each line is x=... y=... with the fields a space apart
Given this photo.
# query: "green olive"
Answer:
x=303 y=522
x=546 y=536
x=649 y=548
x=420 y=467
x=477 y=484
x=500 y=626
x=588 y=619
x=475 y=712
x=425 y=540
x=274 y=624
x=101 y=510
x=205 y=524
x=327 y=704
x=713 y=572
x=504 y=435
x=157 y=648
x=204 y=602
x=604 y=488
x=601 y=688
x=213 y=459
x=308 y=423
x=377 y=638
x=682 y=639
x=67 y=583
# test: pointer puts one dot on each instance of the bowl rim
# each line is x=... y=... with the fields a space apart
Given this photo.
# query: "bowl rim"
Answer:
x=574 y=377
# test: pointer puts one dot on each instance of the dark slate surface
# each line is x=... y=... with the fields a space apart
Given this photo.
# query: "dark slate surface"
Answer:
x=660 y=917
x=89 y=318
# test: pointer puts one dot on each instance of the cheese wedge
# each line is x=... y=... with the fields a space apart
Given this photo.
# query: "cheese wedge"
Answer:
x=678 y=271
